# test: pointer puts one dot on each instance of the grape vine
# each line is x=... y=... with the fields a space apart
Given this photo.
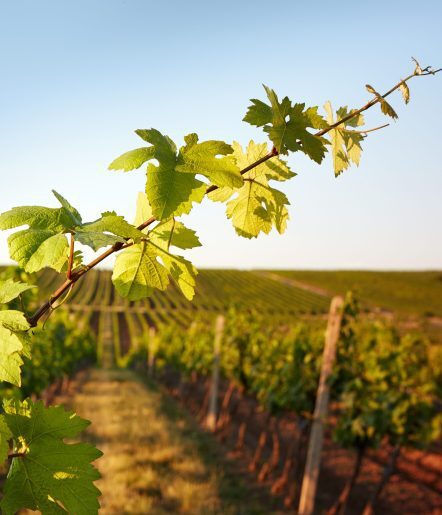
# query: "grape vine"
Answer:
x=46 y=473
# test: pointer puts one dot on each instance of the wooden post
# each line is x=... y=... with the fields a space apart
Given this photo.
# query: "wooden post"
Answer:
x=311 y=472
x=213 y=404
x=151 y=352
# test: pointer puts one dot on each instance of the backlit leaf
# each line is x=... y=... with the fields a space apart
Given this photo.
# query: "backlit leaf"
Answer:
x=52 y=476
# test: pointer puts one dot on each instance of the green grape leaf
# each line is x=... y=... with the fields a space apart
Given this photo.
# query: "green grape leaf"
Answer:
x=137 y=272
x=51 y=476
x=14 y=343
x=385 y=106
x=5 y=436
x=260 y=113
x=97 y=240
x=174 y=233
x=44 y=243
x=257 y=207
x=272 y=169
x=10 y=362
x=144 y=211
x=70 y=210
x=181 y=270
x=37 y=217
x=345 y=143
x=202 y=158
x=14 y=320
x=170 y=192
x=287 y=125
x=34 y=249
x=357 y=120
x=11 y=289
x=405 y=91
x=133 y=159
x=112 y=223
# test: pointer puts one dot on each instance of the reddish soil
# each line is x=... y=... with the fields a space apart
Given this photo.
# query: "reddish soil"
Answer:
x=415 y=488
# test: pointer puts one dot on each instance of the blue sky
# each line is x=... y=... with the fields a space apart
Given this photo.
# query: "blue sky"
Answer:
x=78 y=77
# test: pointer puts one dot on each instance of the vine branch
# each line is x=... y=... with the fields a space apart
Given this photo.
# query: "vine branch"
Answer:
x=15 y=455
x=74 y=276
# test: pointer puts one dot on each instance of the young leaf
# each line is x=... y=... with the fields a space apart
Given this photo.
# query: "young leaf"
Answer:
x=182 y=272
x=133 y=159
x=11 y=289
x=287 y=125
x=34 y=249
x=96 y=234
x=202 y=158
x=257 y=207
x=174 y=233
x=5 y=436
x=170 y=192
x=14 y=343
x=44 y=243
x=70 y=210
x=96 y=239
x=405 y=91
x=272 y=169
x=144 y=211
x=385 y=106
x=51 y=476
x=345 y=143
x=137 y=272
x=37 y=217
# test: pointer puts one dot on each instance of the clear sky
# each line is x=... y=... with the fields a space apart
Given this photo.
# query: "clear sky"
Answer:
x=78 y=77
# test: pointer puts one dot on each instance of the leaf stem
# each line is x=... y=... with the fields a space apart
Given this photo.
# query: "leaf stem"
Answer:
x=368 y=130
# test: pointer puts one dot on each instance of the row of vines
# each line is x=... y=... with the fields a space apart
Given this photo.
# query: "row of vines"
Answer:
x=384 y=386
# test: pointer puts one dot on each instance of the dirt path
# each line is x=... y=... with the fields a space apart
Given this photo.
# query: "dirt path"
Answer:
x=155 y=459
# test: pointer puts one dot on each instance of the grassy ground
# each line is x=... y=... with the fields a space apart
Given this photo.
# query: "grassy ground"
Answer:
x=155 y=459
x=408 y=293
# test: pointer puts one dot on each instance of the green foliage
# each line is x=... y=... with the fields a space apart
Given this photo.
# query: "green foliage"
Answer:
x=10 y=289
x=385 y=106
x=44 y=243
x=405 y=91
x=287 y=124
x=133 y=159
x=385 y=386
x=171 y=186
x=58 y=350
x=201 y=158
x=5 y=436
x=14 y=340
x=50 y=475
x=345 y=143
x=280 y=365
x=146 y=266
x=257 y=207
